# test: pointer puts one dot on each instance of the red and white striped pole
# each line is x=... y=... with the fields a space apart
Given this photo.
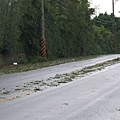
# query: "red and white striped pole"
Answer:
x=43 y=48
x=42 y=41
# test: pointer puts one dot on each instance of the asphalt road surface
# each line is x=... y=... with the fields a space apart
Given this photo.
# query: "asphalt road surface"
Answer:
x=94 y=97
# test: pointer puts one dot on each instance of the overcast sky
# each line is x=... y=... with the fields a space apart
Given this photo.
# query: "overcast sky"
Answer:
x=106 y=6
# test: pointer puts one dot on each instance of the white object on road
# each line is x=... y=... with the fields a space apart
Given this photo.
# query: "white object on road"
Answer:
x=15 y=63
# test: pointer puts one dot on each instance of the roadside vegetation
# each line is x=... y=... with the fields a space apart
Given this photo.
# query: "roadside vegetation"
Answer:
x=69 y=29
x=33 y=65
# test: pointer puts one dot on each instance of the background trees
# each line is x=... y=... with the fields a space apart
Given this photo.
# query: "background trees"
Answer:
x=30 y=27
x=113 y=26
x=69 y=29
x=70 y=26
x=9 y=26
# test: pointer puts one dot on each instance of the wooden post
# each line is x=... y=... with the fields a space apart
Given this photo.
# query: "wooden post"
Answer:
x=42 y=40
x=114 y=44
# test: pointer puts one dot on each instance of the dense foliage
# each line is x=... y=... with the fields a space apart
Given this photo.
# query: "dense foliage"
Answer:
x=9 y=29
x=69 y=29
x=113 y=25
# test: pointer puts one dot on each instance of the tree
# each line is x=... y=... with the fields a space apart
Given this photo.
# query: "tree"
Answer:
x=30 y=27
x=102 y=40
x=67 y=23
x=113 y=26
x=9 y=31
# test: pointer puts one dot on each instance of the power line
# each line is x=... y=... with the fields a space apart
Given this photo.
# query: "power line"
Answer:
x=66 y=7
x=60 y=6
x=104 y=21
x=62 y=2
x=100 y=21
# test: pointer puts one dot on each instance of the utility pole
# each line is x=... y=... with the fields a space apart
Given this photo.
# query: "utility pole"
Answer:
x=113 y=13
x=113 y=3
x=42 y=40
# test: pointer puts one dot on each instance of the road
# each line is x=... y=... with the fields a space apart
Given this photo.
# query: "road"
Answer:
x=7 y=81
x=94 y=97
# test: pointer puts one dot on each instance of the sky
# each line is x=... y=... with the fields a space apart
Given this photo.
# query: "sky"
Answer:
x=106 y=6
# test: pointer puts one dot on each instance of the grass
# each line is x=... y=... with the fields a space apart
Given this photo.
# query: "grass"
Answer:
x=37 y=89
x=6 y=92
x=36 y=82
x=8 y=69
x=18 y=89
x=65 y=78
x=57 y=76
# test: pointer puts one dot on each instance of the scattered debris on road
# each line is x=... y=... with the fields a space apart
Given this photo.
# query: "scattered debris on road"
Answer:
x=58 y=79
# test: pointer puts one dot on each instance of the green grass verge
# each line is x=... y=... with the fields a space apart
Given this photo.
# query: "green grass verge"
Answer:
x=8 y=69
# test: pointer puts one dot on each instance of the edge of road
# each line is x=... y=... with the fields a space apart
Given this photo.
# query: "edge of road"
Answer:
x=109 y=57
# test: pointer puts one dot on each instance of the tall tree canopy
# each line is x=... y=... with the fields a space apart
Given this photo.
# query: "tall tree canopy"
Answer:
x=69 y=29
x=112 y=25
